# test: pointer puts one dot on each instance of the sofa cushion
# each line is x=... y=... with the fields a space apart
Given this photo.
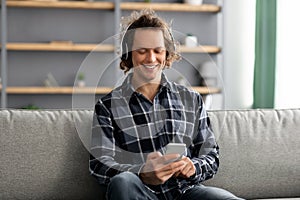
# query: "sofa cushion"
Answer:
x=42 y=156
x=259 y=152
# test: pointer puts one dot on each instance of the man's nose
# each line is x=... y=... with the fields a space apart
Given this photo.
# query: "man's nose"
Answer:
x=151 y=57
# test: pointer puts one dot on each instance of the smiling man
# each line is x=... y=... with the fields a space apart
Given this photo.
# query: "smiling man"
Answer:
x=134 y=124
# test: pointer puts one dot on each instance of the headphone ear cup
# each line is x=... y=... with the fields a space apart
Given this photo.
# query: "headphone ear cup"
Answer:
x=124 y=53
x=172 y=39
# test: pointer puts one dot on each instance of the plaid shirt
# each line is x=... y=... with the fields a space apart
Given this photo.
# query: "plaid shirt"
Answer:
x=127 y=127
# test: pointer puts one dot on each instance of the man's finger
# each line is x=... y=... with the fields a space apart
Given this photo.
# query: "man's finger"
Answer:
x=154 y=155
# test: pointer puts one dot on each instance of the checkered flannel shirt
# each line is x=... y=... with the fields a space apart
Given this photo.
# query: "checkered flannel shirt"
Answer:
x=127 y=127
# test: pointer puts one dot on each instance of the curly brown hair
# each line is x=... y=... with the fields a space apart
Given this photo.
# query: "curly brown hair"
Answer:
x=146 y=19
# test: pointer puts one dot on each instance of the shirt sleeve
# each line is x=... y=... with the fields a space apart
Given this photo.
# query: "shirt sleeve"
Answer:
x=104 y=150
x=204 y=150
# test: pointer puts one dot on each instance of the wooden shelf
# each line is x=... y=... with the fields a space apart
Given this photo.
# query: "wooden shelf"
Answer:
x=200 y=49
x=58 y=47
x=85 y=90
x=57 y=90
x=179 y=7
x=170 y=7
x=93 y=47
x=207 y=90
x=62 y=4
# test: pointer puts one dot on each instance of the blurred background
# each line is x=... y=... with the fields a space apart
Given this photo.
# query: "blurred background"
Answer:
x=64 y=54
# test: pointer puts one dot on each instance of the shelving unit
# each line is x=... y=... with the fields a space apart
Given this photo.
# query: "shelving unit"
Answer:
x=82 y=47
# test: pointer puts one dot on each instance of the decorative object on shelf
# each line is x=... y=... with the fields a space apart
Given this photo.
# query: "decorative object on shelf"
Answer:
x=191 y=40
x=50 y=81
x=181 y=81
x=31 y=107
x=208 y=73
x=80 y=80
x=193 y=2
x=61 y=42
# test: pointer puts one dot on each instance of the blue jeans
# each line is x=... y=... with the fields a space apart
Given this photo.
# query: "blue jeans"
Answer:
x=128 y=186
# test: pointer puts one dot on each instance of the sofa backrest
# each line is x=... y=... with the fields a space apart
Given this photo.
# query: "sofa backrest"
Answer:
x=259 y=152
x=42 y=156
x=44 y=153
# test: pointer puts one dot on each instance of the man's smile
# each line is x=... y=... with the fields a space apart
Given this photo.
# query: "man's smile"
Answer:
x=150 y=66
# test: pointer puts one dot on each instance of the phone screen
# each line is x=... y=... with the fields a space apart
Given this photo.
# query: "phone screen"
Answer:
x=179 y=148
x=175 y=148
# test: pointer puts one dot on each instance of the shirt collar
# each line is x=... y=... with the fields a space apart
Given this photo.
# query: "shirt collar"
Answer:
x=128 y=89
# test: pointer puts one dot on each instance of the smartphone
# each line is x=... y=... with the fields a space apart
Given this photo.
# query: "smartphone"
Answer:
x=178 y=148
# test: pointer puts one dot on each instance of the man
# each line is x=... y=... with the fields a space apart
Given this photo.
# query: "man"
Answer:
x=136 y=121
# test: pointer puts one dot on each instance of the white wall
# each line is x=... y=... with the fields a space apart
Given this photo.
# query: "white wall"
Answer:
x=238 y=52
x=287 y=63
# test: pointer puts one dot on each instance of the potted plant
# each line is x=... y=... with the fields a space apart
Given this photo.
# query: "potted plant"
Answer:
x=80 y=80
x=31 y=107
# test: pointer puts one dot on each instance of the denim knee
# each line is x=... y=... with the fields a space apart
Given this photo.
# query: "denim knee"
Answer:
x=124 y=179
x=125 y=185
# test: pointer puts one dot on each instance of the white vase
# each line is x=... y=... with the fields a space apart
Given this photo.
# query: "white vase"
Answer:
x=191 y=41
x=81 y=83
x=193 y=2
x=209 y=72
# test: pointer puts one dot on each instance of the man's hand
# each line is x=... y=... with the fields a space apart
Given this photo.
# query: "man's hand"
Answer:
x=158 y=170
x=188 y=170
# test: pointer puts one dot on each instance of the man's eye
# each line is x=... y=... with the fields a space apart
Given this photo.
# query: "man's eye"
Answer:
x=160 y=50
x=141 y=51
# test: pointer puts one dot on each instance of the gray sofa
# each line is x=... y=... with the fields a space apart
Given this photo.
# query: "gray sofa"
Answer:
x=44 y=156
